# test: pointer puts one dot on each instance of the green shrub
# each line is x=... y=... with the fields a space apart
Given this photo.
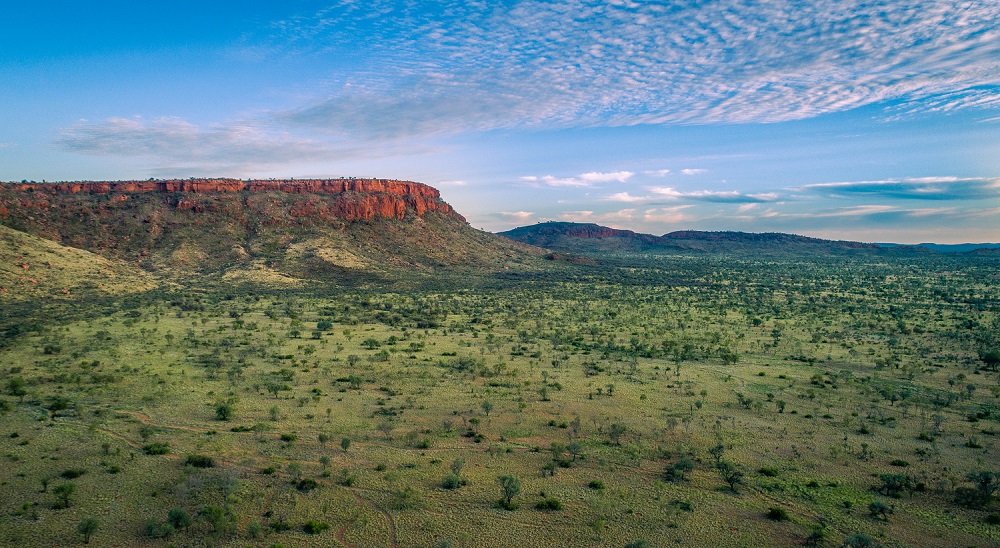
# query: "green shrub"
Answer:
x=156 y=448
x=859 y=540
x=777 y=514
x=314 y=527
x=346 y=478
x=306 y=484
x=406 y=498
x=199 y=461
x=549 y=504
x=224 y=411
x=452 y=481
x=179 y=518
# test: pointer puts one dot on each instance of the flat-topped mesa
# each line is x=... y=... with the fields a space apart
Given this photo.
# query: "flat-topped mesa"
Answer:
x=353 y=199
x=291 y=186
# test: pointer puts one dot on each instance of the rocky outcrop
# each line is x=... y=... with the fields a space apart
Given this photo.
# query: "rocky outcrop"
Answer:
x=211 y=223
x=335 y=199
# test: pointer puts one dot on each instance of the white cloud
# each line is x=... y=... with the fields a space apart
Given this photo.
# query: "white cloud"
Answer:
x=595 y=177
x=696 y=171
x=582 y=180
x=854 y=211
x=932 y=212
x=518 y=215
x=730 y=196
x=657 y=172
x=549 y=180
x=236 y=146
x=452 y=183
x=858 y=211
x=626 y=197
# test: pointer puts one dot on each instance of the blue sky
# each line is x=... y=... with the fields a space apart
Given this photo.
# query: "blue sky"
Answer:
x=862 y=120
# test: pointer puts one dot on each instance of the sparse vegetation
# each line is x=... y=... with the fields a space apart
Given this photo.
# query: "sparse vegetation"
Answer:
x=621 y=399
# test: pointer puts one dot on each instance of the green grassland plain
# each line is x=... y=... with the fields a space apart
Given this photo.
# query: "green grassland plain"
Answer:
x=612 y=393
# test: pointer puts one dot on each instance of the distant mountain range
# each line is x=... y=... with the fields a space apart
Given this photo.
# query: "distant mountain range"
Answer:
x=329 y=230
x=589 y=238
x=946 y=248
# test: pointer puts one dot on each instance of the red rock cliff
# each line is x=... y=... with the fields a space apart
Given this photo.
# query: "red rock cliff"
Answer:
x=349 y=200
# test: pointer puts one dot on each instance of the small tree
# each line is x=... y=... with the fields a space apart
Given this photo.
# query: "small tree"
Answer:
x=616 y=431
x=991 y=359
x=730 y=474
x=386 y=427
x=880 y=509
x=487 y=407
x=986 y=482
x=179 y=518
x=17 y=387
x=510 y=487
x=214 y=515
x=224 y=411
x=87 y=527
x=64 y=491
x=717 y=451
x=895 y=485
x=456 y=466
x=345 y=444
x=294 y=469
x=678 y=470
x=575 y=448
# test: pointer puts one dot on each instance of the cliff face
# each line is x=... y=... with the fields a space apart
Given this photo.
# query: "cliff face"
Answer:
x=345 y=199
x=208 y=223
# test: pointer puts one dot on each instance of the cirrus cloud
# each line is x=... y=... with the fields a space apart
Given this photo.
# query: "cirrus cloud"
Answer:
x=527 y=63
x=918 y=188
x=731 y=196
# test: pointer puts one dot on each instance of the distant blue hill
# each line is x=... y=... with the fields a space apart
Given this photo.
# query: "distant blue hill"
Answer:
x=590 y=238
x=946 y=248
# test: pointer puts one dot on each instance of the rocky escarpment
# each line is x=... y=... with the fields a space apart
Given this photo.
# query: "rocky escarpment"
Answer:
x=208 y=223
x=342 y=199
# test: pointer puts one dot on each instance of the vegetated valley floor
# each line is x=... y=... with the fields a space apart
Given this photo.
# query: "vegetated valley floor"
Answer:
x=672 y=400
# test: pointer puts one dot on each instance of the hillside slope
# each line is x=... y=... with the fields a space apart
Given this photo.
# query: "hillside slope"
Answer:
x=35 y=268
